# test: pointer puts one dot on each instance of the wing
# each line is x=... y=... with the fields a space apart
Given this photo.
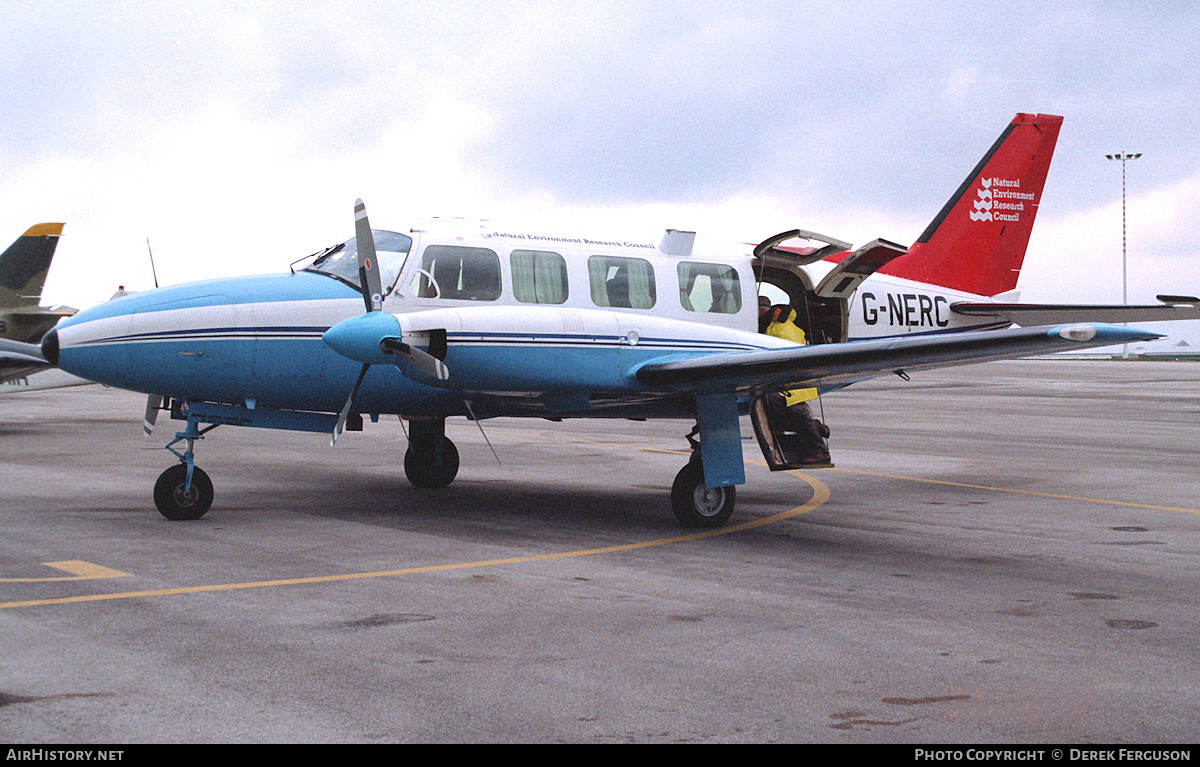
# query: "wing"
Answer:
x=842 y=363
x=1171 y=308
x=18 y=360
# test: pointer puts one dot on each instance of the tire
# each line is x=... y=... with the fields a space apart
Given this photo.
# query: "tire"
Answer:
x=424 y=473
x=176 y=505
x=696 y=505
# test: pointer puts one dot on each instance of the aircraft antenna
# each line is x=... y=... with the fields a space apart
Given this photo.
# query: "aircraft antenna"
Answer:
x=153 y=271
x=467 y=402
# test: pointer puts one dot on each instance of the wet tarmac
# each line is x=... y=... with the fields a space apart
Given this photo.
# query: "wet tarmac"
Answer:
x=1006 y=552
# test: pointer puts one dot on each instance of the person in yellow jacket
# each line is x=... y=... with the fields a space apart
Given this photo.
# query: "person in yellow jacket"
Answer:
x=780 y=321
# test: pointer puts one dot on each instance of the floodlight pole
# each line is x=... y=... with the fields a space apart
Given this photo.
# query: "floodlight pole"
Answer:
x=1124 y=157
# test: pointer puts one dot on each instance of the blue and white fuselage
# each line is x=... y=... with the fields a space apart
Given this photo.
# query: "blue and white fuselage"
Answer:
x=257 y=341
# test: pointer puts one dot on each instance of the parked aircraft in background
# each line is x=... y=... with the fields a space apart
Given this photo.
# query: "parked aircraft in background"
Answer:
x=19 y=360
x=24 y=368
x=23 y=269
x=453 y=318
x=38 y=376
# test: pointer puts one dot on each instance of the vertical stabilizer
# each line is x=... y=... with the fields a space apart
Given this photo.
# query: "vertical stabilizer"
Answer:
x=23 y=267
x=977 y=242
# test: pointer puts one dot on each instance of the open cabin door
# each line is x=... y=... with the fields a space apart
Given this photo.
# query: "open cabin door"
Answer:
x=856 y=267
x=821 y=312
x=781 y=447
x=782 y=278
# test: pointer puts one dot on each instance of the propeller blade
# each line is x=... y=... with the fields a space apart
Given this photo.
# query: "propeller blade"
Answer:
x=368 y=264
x=153 y=405
x=341 y=421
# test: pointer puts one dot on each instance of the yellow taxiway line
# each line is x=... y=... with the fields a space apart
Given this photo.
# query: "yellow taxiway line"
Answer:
x=78 y=569
x=85 y=571
x=820 y=496
x=1019 y=492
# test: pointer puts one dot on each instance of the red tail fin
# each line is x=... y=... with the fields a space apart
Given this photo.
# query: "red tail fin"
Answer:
x=977 y=242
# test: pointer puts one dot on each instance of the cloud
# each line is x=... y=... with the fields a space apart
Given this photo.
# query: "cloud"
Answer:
x=1077 y=257
x=238 y=134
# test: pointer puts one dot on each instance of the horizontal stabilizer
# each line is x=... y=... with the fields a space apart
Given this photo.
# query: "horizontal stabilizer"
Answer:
x=1173 y=308
x=1179 y=300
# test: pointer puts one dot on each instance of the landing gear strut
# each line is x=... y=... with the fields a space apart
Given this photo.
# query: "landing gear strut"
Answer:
x=432 y=459
x=184 y=491
x=694 y=503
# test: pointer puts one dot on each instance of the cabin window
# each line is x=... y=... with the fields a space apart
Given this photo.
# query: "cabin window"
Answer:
x=539 y=277
x=621 y=282
x=464 y=274
x=709 y=288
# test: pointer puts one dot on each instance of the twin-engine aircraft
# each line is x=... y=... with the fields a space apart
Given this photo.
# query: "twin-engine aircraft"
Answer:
x=453 y=318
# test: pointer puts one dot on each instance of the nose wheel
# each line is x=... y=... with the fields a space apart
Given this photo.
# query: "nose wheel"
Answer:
x=184 y=491
x=179 y=499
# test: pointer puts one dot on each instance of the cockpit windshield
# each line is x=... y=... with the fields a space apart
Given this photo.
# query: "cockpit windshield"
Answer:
x=341 y=261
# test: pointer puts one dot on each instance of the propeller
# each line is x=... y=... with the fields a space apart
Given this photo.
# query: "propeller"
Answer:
x=153 y=405
x=375 y=337
x=368 y=279
x=345 y=414
x=368 y=266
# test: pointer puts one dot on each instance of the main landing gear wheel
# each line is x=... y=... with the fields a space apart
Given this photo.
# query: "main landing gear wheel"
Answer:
x=175 y=500
x=423 y=469
x=696 y=505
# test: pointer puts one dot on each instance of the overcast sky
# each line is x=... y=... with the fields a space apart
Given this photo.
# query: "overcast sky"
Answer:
x=235 y=136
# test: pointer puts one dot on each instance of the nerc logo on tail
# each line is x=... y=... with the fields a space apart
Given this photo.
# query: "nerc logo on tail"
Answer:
x=983 y=206
x=976 y=244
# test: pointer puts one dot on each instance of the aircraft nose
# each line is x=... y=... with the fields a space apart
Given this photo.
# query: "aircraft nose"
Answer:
x=50 y=347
